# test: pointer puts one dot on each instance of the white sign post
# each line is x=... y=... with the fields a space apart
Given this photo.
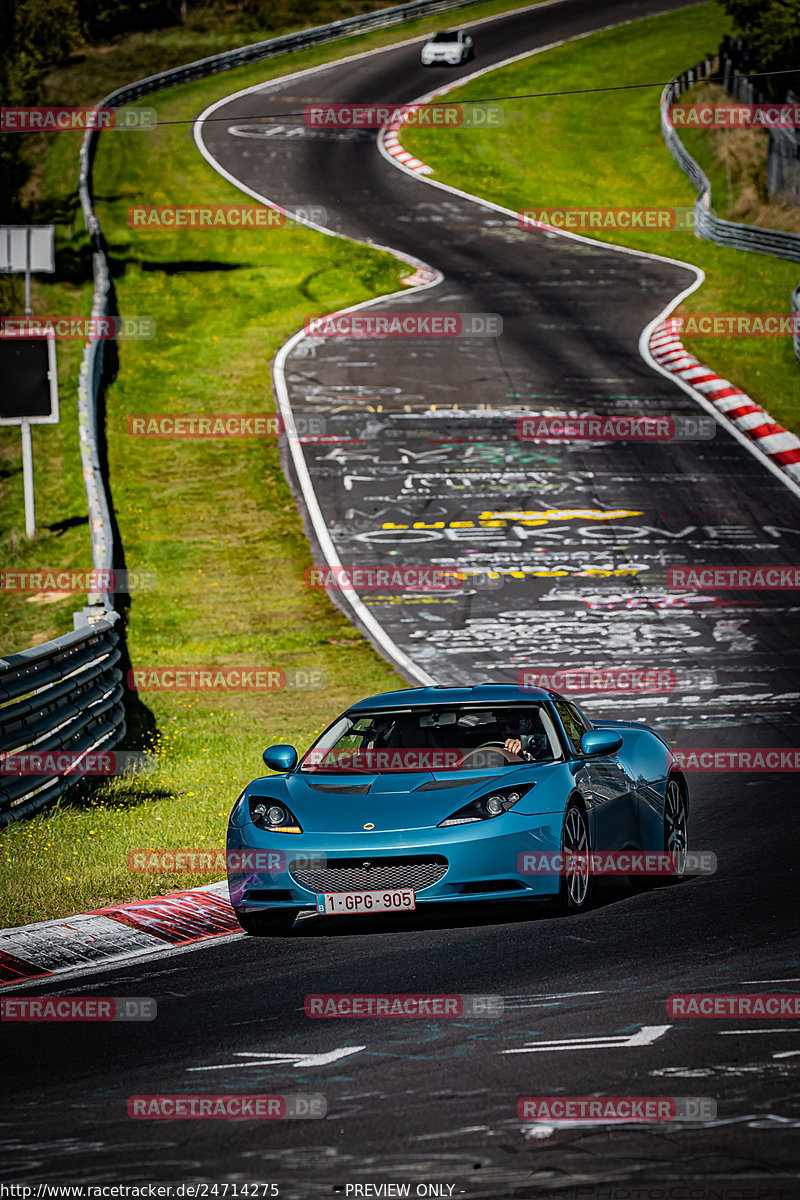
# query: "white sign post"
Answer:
x=27 y=480
x=29 y=248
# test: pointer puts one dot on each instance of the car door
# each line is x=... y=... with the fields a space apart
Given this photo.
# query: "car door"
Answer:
x=613 y=813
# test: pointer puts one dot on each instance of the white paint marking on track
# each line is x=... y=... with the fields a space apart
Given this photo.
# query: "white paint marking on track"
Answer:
x=552 y=995
x=645 y=1037
x=738 y=1032
x=287 y=1059
x=793 y=979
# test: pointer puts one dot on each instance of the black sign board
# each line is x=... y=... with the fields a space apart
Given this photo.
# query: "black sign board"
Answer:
x=28 y=384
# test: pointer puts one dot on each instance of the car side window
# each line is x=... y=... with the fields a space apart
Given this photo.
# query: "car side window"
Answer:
x=573 y=722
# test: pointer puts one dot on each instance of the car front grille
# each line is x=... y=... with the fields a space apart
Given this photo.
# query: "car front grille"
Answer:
x=368 y=874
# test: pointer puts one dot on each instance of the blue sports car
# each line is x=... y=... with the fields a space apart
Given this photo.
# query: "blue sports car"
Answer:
x=444 y=794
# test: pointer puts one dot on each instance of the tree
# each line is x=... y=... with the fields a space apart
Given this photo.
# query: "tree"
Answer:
x=38 y=34
x=102 y=20
x=771 y=29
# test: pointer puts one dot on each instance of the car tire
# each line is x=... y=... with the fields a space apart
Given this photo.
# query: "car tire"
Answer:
x=575 y=891
x=266 y=922
x=676 y=827
x=675 y=839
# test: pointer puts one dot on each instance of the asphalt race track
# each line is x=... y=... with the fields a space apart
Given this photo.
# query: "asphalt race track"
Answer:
x=434 y=1101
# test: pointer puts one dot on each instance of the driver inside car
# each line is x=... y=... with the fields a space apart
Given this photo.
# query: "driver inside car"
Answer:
x=521 y=740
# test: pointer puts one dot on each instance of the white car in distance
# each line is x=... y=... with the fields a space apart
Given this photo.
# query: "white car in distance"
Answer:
x=451 y=48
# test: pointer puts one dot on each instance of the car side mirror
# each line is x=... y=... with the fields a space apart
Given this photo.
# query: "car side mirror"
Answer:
x=280 y=757
x=597 y=742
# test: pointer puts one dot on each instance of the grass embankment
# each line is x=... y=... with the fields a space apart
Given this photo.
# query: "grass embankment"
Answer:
x=735 y=162
x=606 y=150
x=214 y=519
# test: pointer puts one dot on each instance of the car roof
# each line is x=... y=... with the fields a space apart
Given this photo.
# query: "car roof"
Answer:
x=445 y=694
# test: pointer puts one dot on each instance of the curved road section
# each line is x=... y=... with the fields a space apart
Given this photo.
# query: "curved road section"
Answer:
x=563 y=550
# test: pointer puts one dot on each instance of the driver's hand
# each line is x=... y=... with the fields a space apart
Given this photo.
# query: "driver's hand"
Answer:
x=514 y=745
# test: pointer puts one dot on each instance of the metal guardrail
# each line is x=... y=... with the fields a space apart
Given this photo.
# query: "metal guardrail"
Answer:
x=706 y=224
x=66 y=695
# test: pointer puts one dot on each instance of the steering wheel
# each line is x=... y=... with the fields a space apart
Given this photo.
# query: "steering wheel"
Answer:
x=508 y=755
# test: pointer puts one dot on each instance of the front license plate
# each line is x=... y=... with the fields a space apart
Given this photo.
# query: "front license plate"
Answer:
x=392 y=900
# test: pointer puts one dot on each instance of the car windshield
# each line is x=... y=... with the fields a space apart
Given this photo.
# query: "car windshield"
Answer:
x=445 y=37
x=460 y=738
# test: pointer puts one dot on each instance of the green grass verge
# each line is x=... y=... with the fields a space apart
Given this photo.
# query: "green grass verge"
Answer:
x=213 y=519
x=606 y=150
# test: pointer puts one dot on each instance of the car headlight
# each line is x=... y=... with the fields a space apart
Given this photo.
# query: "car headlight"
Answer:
x=270 y=815
x=485 y=807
